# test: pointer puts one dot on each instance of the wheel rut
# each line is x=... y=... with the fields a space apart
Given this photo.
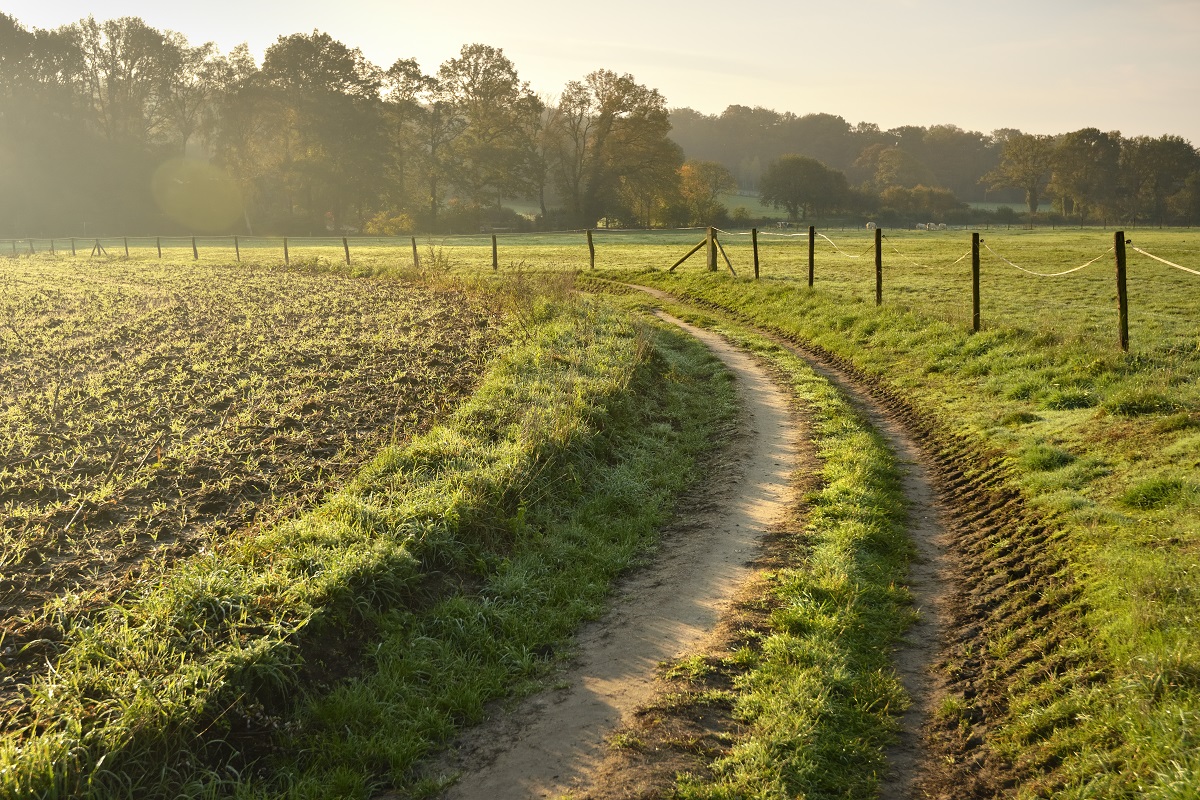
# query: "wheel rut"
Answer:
x=553 y=744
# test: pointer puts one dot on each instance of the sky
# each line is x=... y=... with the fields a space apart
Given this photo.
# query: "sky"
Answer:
x=1043 y=66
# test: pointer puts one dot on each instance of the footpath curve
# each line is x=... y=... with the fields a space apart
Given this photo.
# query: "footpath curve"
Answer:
x=554 y=743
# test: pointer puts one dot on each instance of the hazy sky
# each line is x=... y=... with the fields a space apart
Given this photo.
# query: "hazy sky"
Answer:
x=1044 y=66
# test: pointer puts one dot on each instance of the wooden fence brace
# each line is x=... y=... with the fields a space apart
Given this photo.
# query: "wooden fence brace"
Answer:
x=195 y=252
x=711 y=241
x=1122 y=295
x=591 y=250
x=879 y=266
x=975 y=240
x=237 y=249
x=495 y=255
x=286 y=260
x=812 y=249
x=158 y=244
x=416 y=258
x=125 y=241
x=754 y=243
x=728 y=263
x=346 y=247
x=689 y=254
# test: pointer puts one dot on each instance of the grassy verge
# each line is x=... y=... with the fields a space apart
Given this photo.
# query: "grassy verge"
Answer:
x=1102 y=449
x=323 y=657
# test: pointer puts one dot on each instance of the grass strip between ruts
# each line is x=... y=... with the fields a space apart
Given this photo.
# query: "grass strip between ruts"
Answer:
x=457 y=558
x=817 y=690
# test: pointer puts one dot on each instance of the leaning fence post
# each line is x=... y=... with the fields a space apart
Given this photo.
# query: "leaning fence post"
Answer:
x=879 y=266
x=975 y=240
x=591 y=250
x=125 y=241
x=416 y=258
x=812 y=249
x=346 y=247
x=1122 y=295
x=754 y=243
x=195 y=252
x=495 y=255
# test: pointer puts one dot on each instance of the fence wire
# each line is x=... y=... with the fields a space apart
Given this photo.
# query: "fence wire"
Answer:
x=1047 y=274
x=1163 y=260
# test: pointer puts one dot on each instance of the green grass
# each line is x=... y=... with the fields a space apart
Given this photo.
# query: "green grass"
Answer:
x=300 y=660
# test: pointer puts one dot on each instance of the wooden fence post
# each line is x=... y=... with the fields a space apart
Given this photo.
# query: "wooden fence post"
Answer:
x=72 y=247
x=754 y=243
x=158 y=244
x=237 y=249
x=51 y=245
x=346 y=247
x=712 y=250
x=416 y=258
x=812 y=249
x=31 y=250
x=14 y=247
x=591 y=250
x=495 y=255
x=1122 y=295
x=975 y=240
x=286 y=260
x=879 y=266
x=195 y=252
x=125 y=241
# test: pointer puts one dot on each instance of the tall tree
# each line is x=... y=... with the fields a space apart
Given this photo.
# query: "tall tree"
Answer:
x=1026 y=162
x=608 y=128
x=1086 y=167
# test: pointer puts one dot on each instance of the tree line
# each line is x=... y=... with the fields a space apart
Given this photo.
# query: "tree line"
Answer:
x=115 y=126
x=820 y=163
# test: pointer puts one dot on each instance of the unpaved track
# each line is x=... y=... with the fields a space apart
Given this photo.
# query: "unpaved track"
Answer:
x=552 y=742
x=546 y=746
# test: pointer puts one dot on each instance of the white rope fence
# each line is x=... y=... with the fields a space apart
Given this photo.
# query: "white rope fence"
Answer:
x=1047 y=274
x=1163 y=260
x=900 y=253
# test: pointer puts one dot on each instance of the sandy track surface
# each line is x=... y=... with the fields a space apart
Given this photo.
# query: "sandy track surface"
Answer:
x=547 y=746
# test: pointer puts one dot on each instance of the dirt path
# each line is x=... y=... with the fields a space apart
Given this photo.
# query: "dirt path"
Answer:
x=553 y=743
x=546 y=747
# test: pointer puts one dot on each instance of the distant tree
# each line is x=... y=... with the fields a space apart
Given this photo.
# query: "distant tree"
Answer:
x=1186 y=202
x=889 y=165
x=1163 y=166
x=700 y=184
x=802 y=185
x=1026 y=162
x=1086 y=169
x=920 y=200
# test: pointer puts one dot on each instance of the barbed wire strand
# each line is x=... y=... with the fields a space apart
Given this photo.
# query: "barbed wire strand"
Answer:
x=1163 y=260
x=1047 y=274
